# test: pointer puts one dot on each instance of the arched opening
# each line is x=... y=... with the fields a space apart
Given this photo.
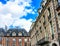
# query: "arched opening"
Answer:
x=54 y=44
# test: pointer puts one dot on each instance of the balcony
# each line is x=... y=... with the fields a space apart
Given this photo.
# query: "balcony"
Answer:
x=42 y=41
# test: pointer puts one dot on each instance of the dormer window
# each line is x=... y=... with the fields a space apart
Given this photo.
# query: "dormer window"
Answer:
x=19 y=34
x=1 y=34
x=13 y=34
x=8 y=34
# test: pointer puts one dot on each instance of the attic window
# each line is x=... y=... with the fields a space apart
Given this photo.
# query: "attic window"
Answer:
x=1 y=34
x=13 y=34
x=19 y=34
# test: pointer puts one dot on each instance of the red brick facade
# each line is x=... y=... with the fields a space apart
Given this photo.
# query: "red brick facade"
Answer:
x=4 y=42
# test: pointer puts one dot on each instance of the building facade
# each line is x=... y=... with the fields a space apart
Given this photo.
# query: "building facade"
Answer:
x=58 y=20
x=14 y=37
x=46 y=29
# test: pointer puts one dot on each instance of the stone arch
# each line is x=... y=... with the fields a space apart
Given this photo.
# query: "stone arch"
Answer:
x=54 y=43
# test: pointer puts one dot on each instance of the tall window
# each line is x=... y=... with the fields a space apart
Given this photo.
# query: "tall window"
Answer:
x=20 y=42
x=46 y=35
x=25 y=41
x=44 y=20
x=1 y=41
x=59 y=16
x=7 y=41
x=49 y=16
x=40 y=29
x=14 y=42
x=52 y=30
x=59 y=20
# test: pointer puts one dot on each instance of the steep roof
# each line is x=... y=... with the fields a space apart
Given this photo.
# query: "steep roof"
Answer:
x=2 y=32
x=23 y=31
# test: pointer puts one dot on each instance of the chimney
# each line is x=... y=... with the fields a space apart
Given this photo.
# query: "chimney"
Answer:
x=5 y=28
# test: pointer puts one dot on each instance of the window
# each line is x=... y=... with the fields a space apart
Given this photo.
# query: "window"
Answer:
x=46 y=36
x=44 y=20
x=44 y=16
x=0 y=44
x=0 y=41
x=20 y=42
x=29 y=39
x=13 y=34
x=7 y=34
x=44 y=23
x=7 y=43
x=25 y=43
x=14 y=39
x=0 y=38
x=40 y=30
x=59 y=20
x=25 y=40
x=1 y=34
x=52 y=30
x=57 y=0
x=59 y=16
x=20 y=34
x=37 y=25
x=49 y=17
x=40 y=21
x=45 y=27
x=14 y=42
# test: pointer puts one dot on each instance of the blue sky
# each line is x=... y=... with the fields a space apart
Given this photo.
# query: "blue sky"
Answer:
x=19 y=13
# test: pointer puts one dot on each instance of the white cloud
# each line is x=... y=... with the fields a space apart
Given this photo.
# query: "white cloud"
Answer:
x=5 y=20
x=23 y=23
x=11 y=12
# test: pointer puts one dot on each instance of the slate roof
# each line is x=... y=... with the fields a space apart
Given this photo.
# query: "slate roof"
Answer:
x=2 y=31
x=10 y=31
x=23 y=31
